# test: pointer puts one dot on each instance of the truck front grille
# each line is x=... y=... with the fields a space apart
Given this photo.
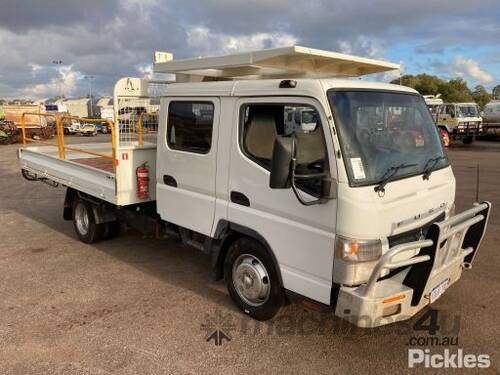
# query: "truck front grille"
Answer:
x=414 y=234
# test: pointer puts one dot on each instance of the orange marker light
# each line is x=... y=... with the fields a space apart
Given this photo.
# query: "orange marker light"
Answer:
x=393 y=299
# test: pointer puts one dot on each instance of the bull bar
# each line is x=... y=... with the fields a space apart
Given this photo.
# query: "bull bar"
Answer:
x=412 y=269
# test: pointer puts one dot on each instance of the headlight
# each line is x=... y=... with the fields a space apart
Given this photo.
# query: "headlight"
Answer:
x=357 y=250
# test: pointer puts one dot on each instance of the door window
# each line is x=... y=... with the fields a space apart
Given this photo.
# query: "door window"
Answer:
x=261 y=123
x=189 y=126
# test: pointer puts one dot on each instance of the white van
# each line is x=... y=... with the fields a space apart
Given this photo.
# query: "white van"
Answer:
x=354 y=213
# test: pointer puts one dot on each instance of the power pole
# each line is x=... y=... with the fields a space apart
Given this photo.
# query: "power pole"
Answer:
x=90 y=78
x=57 y=63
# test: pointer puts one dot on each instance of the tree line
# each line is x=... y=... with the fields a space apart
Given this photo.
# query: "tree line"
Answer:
x=452 y=91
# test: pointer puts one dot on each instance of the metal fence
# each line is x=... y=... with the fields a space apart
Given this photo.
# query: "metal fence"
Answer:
x=136 y=117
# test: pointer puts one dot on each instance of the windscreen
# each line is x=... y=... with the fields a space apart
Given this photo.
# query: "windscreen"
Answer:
x=468 y=110
x=383 y=130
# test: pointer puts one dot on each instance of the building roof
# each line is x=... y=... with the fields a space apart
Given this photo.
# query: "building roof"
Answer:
x=104 y=101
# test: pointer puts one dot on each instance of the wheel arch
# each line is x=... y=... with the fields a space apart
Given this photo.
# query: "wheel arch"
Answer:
x=226 y=234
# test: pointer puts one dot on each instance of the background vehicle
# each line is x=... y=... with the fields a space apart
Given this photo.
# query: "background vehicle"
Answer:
x=87 y=129
x=491 y=118
x=300 y=119
x=460 y=120
x=354 y=214
x=434 y=103
x=35 y=126
x=101 y=128
x=71 y=126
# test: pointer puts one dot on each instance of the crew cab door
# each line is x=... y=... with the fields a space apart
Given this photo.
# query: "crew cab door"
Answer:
x=300 y=237
x=186 y=160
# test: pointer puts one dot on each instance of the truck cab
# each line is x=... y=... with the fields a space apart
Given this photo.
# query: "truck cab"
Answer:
x=358 y=188
x=461 y=121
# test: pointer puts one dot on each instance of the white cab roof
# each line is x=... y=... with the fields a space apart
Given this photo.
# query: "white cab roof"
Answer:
x=305 y=87
x=290 y=62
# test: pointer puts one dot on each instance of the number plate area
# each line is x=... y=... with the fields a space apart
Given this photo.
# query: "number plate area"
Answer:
x=438 y=290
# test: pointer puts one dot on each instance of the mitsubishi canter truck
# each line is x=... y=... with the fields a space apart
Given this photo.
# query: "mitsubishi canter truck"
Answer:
x=352 y=210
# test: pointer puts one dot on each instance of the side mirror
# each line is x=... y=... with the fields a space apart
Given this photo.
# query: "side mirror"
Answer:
x=283 y=172
x=280 y=163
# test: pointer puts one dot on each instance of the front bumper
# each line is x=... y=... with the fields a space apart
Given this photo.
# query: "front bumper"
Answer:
x=468 y=129
x=449 y=247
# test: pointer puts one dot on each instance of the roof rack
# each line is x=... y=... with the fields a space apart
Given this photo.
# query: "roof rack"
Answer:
x=286 y=62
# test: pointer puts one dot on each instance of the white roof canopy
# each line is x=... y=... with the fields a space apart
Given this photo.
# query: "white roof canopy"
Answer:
x=294 y=61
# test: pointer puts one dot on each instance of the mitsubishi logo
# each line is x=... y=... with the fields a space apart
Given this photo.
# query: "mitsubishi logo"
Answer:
x=421 y=234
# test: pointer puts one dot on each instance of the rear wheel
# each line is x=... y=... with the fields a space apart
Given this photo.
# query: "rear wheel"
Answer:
x=84 y=222
x=468 y=140
x=252 y=280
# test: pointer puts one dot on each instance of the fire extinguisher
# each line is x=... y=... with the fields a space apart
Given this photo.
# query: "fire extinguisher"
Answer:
x=142 y=173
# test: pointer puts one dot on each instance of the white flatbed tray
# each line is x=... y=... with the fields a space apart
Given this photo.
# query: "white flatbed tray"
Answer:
x=80 y=171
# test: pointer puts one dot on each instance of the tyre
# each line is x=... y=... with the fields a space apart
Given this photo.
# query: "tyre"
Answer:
x=66 y=131
x=84 y=222
x=468 y=140
x=445 y=137
x=252 y=279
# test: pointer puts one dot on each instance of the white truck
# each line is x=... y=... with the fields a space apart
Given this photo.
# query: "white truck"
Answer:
x=459 y=121
x=355 y=214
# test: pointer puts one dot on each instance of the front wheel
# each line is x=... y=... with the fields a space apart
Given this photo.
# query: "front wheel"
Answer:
x=84 y=222
x=252 y=279
x=445 y=137
x=468 y=140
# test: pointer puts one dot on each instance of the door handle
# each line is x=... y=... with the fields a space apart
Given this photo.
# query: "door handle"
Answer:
x=240 y=198
x=169 y=180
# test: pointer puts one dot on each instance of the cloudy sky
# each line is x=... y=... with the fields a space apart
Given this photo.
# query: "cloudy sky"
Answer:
x=109 y=39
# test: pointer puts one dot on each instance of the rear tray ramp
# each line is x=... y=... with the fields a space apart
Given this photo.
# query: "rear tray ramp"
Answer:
x=450 y=247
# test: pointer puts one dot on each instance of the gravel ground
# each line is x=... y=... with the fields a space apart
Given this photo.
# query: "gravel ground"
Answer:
x=138 y=305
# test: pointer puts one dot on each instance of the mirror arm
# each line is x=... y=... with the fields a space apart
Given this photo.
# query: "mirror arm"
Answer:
x=296 y=190
x=312 y=175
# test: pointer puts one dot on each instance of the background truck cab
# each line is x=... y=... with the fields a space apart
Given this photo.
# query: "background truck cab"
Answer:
x=461 y=121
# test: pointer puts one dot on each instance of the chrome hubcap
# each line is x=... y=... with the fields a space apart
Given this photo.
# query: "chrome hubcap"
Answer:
x=251 y=280
x=82 y=219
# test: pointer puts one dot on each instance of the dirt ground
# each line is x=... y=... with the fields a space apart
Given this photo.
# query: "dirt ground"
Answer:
x=135 y=305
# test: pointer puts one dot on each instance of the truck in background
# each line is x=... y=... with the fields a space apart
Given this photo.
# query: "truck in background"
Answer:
x=459 y=121
x=36 y=126
x=491 y=118
x=332 y=191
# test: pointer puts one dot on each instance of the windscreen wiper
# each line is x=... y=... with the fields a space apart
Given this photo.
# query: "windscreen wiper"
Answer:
x=389 y=173
x=429 y=166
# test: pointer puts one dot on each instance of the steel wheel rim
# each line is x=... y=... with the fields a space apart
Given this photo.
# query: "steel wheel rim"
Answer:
x=82 y=218
x=251 y=280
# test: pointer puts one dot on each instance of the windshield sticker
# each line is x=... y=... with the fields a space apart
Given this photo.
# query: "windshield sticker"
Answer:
x=357 y=168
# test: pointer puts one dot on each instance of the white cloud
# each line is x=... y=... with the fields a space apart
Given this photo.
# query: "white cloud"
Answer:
x=469 y=68
x=64 y=84
x=203 y=40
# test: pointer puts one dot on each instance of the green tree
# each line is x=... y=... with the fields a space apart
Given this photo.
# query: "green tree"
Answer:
x=481 y=96
x=455 y=91
x=496 y=92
